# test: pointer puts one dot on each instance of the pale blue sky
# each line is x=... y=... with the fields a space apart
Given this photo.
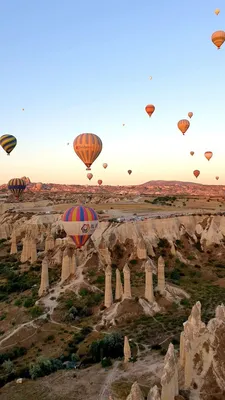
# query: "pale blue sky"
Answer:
x=84 y=66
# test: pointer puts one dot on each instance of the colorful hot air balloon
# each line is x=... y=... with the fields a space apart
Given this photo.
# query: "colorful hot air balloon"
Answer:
x=150 y=109
x=217 y=177
x=217 y=11
x=17 y=186
x=218 y=38
x=89 y=176
x=183 y=125
x=129 y=171
x=208 y=155
x=105 y=165
x=87 y=146
x=99 y=182
x=192 y=153
x=8 y=142
x=196 y=173
x=190 y=114
x=80 y=223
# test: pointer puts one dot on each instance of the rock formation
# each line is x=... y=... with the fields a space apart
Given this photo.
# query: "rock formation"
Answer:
x=149 y=294
x=49 y=242
x=169 y=379
x=33 y=257
x=161 y=275
x=126 y=350
x=24 y=253
x=44 y=278
x=66 y=265
x=13 y=249
x=119 y=286
x=104 y=253
x=136 y=393
x=108 y=287
x=73 y=264
x=141 y=249
x=154 y=394
x=127 y=286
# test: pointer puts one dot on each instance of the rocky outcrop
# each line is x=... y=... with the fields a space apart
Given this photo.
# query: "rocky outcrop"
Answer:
x=126 y=350
x=44 y=278
x=161 y=275
x=108 y=287
x=149 y=294
x=127 y=285
x=136 y=393
x=68 y=264
x=169 y=379
x=13 y=249
x=119 y=286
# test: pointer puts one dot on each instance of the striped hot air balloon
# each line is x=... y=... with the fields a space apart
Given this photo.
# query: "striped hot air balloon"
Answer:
x=17 y=186
x=80 y=223
x=8 y=142
x=87 y=146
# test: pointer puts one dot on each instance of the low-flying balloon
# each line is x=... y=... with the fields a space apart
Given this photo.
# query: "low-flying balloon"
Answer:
x=105 y=165
x=89 y=176
x=208 y=155
x=80 y=223
x=192 y=153
x=99 y=182
x=196 y=173
x=8 y=143
x=150 y=109
x=217 y=177
x=190 y=114
x=183 y=125
x=217 y=11
x=17 y=186
x=87 y=146
x=129 y=171
x=218 y=38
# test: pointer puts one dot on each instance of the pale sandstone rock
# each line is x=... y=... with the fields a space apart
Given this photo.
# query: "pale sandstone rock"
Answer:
x=169 y=379
x=154 y=394
x=126 y=350
x=161 y=275
x=149 y=294
x=108 y=287
x=119 y=286
x=136 y=393
x=33 y=257
x=141 y=250
x=127 y=285
x=13 y=249
x=44 y=278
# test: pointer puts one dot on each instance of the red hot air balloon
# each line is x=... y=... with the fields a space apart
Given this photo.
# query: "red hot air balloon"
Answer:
x=196 y=173
x=99 y=182
x=150 y=109
x=89 y=176
x=129 y=171
x=80 y=223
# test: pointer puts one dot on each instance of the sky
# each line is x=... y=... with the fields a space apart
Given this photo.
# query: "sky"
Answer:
x=84 y=66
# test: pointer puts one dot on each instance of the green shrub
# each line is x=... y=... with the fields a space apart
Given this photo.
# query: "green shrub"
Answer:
x=106 y=362
x=110 y=346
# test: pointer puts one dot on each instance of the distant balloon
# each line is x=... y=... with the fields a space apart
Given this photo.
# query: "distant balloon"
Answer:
x=192 y=153
x=87 y=146
x=80 y=223
x=8 y=143
x=218 y=38
x=217 y=11
x=22 y=109
x=67 y=144
x=183 y=125
x=150 y=109
x=150 y=78
x=105 y=165
x=129 y=171
x=196 y=173
x=99 y=182
x=89 y=176
x=17 y=186
x=217 y=177
x=190 y=114
x=208 y=155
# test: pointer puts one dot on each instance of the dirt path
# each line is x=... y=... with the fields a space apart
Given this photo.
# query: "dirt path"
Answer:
x=105 y=390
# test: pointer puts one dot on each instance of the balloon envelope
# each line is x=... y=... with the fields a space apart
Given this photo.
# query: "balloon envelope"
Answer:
x=87 y=146
x=8 y=143
x=192 y=153
x=196 y=173
x=105 y=165
x=183 y=125
x=218 y=38
x=129 y=171
x=190 y=114
x=89 y=176
x=217 y=11
x=217 y=177
x=150 y=109
x=80 y=223
x=17 y=186
x=208 y=155
x=99 y=182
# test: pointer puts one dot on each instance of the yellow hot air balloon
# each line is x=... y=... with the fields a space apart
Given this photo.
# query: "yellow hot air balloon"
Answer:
x=218 y=38
x=183 y=125
x=208 y=155
x=217 y=11
x=8 y=143
x=192 y=153
x=87 y=146
x=190 y=114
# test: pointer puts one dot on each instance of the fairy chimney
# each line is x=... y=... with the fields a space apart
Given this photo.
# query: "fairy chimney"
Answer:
x=108 y=287
x=161 y=275
x=127 y=286
x=126 y=350
x=119 y=286
x=44 y=278
x=13 y=244
x=149 y=294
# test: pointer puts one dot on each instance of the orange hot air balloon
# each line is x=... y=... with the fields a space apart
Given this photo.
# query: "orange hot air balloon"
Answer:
x=150 y=109
x=208 y=155
x=105 y=165
x=89 y=176
x=217 y=177
x=192 y=153
x=190 y=114
x=183 y=125
x=129 y=171
x=87 y=146
x=196 y=173
x=217 y=11
x=99 y=182
x=218 y=38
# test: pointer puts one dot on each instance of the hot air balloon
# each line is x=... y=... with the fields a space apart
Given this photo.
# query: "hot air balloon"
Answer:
x=22 y=109
x=105 y=165
x=196 y=173
x=217 y=11
x=218 y=38
x=67 y=144
x=150 y=78
x=123 y=124
x=88 y=147
x=80 y=223
x=192 y=153
x=217 y=177
x=89 y=176
x=208 y=155
x=183 y=125
x=17 y=186
x=150 y=109
x=129 y=171
x=8 y=142
x=190 y=114
x=99 y=182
